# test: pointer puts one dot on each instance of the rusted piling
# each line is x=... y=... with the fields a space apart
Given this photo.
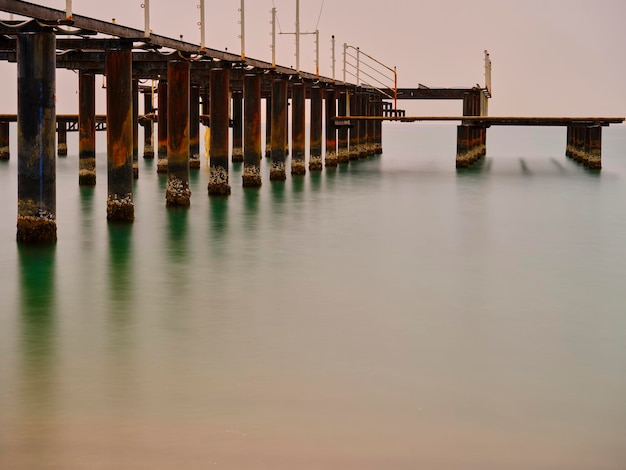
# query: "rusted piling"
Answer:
x=370 y=146
x=177 y=192
x=568 y=141
x=331 y=132
x=342 y=133
x=279 y=130
x=268 y=127
x=194 y=127
x=87 y=129
x=148 y=127
x=363 y=111
x=218 y=162
x=135 y=96
x=36 y=123
x=298 y=128
x=315 y=147
x=5 y=152
x=593 y=148
x=162 y=127
x=118 y=66
x=378 y=127
x=237 y=99
x=462 y=146
x=62 y=138
x=353 y=137
x=252 y=131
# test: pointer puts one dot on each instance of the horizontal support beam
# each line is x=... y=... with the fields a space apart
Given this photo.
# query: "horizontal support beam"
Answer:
x=487 y=121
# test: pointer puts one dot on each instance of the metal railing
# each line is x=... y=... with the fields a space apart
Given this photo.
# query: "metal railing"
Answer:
x=378 y=76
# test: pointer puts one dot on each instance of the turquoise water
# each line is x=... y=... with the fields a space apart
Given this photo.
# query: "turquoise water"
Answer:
x=393 y=313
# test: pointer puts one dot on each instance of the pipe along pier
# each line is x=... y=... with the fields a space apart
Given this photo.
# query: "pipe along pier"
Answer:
x=198 y=85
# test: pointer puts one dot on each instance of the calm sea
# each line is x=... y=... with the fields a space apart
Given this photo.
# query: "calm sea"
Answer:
x=390 y=314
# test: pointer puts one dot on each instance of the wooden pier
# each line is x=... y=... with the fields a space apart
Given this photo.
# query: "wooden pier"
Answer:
x=196 y=85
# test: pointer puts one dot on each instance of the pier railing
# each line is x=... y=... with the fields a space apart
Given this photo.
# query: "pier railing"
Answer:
x=370 y=72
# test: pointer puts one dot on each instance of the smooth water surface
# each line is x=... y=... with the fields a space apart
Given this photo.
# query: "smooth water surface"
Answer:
x=391 y=314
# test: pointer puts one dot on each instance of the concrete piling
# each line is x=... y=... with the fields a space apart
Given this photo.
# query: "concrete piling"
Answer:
x=594 y=148
x=237 y=100
x=370 y=146
x=462 y=146
x=177 y=192
x=86 y=129
x=162 y=127
x=279 y=130
x=298 y=129
x=148 y=127
x=331 y=133
x=5 y=152
x=315 y=147
x=135 y=96
x=252 y=131
x=353 y=136
x=218 y=161
x=194 y=127
x=363 y=101
x=120 y=205
x=343 y=155
x=62 y=138
x=36 y=124
x=268 y=127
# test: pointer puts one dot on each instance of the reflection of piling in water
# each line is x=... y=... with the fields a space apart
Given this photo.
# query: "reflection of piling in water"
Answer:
x=237 y=99
x=298 y=129
x=218 y=161
x=177 y=192
x=194 y=127
x=315 y=147
x=162 y=127
x=343 y=155
x=252 y=131
x=148 y=127
x=36 y=121
x=87 y=129
x=279 y=130
x=4 y=140
x=331 y=139
x=62 y=138
x=120 y=206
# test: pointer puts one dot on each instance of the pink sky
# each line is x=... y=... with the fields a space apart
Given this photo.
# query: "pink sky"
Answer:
x=550 y=57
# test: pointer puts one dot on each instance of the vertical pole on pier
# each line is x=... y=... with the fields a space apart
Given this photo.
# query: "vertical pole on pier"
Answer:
x=342 y=132
x=194 y=127
x=237 y=100
x=252 y=131
x=146 y=18
x=118 y=66
x=315 y=148
x=297 y=36
x=148 y=127
x=298 y=129
x=135 y=128
x=62 y=138
x=279 y=129
x=86 y=129
x=331 y=133
x=36 y=126
x=5 y=152
x=274 y=37
x=177 y=192
x=162 y=127
x=353 y=139
x=268 y=127
x=202 y=25
x=218 y=162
